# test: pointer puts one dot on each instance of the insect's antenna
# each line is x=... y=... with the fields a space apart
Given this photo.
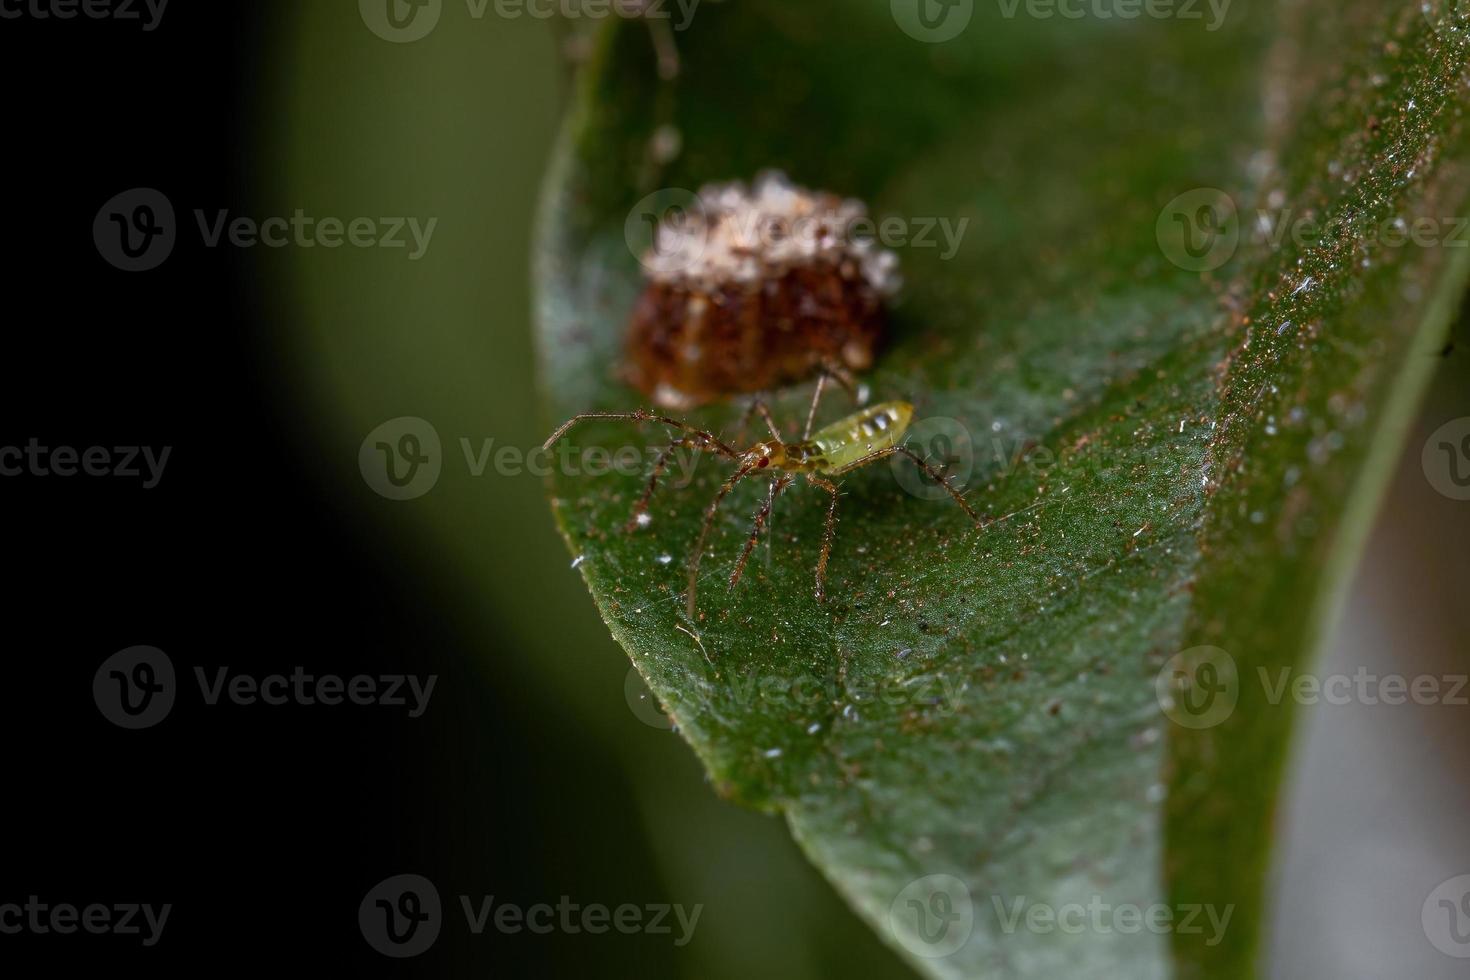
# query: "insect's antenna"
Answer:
x=707 y=439
x=811 y=413
x=835 y=371
x=938 y=478
x=709 y=520
x=757 y=406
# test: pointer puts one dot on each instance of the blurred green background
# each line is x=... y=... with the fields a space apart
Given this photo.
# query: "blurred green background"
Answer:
x=459 y=126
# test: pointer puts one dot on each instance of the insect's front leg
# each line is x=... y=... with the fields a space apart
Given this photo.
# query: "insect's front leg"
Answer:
x=761 y=516
x=639 y=517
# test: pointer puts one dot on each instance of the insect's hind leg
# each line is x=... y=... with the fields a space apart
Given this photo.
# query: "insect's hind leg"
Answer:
x=827 y=535
x=932 y=473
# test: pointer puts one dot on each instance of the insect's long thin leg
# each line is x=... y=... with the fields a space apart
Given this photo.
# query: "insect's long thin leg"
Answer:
x=765 y=414
x=757 y=406
x=760 y=521
x=707 y=439
x=933 y=475
x=709 y=520
x=811 y=414
x=842 y=376
x=827 y=535
x=659 y=465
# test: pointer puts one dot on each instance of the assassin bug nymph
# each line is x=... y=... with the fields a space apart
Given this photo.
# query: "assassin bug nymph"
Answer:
x=861 y=439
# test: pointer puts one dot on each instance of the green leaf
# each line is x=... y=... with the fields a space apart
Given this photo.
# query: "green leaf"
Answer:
x=1169 y=459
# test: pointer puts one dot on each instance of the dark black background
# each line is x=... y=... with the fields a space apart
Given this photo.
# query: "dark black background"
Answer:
x=262 y=826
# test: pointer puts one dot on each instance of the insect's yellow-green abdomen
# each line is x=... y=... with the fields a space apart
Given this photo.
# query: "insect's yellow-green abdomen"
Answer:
x=872 y=430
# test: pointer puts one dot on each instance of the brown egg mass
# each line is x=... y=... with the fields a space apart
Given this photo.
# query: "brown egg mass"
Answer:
x=752 y=289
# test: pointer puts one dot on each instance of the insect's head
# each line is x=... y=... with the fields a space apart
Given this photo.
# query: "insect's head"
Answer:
x=765 y=454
